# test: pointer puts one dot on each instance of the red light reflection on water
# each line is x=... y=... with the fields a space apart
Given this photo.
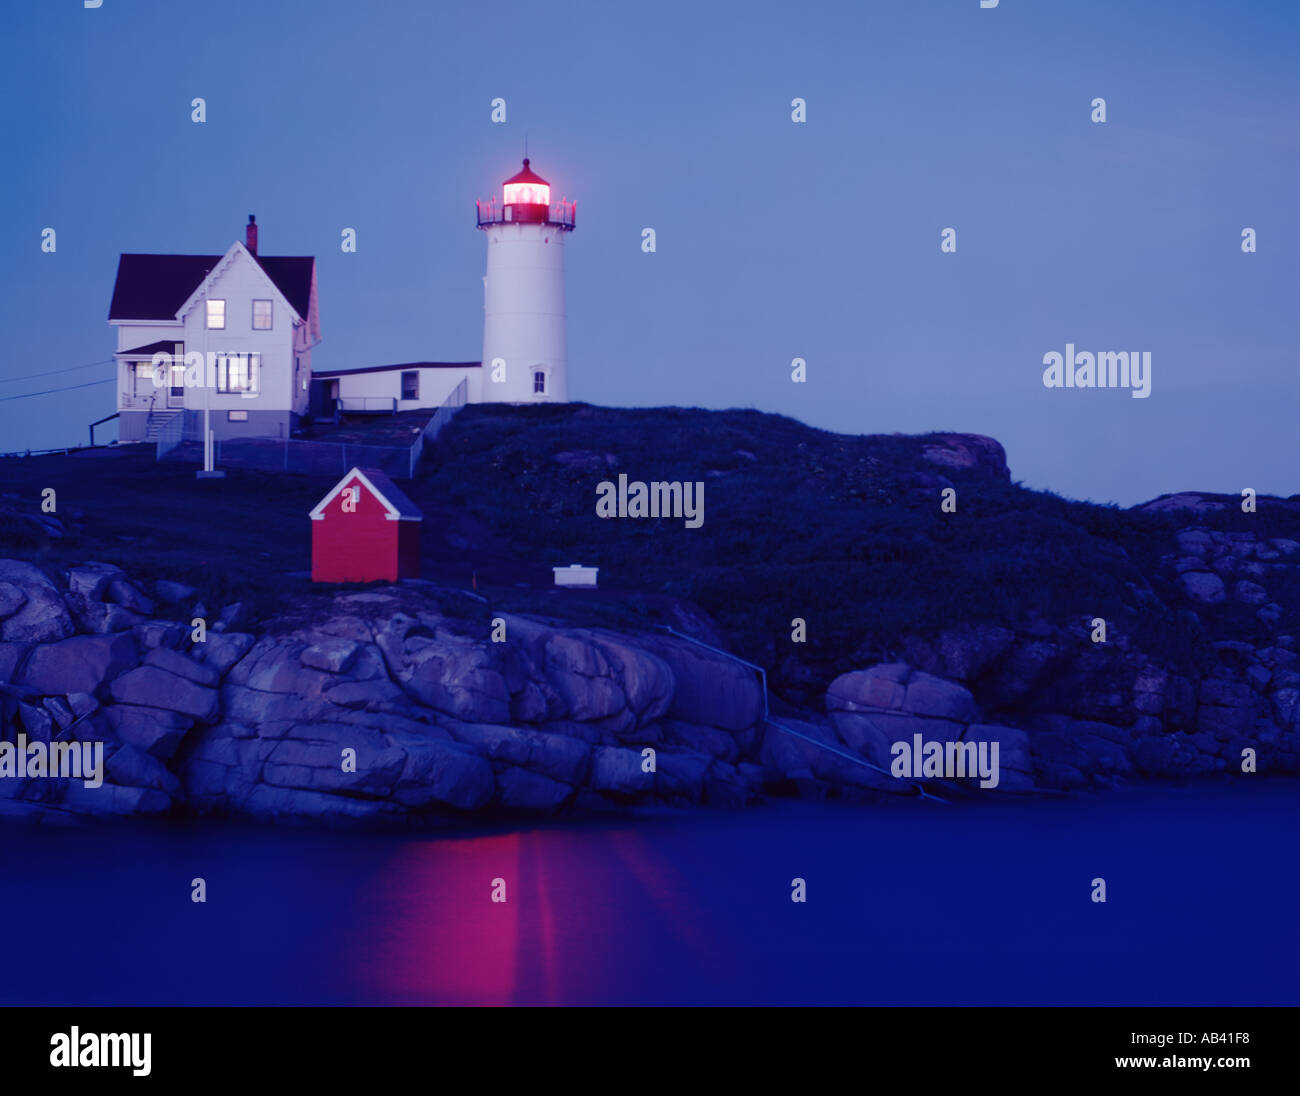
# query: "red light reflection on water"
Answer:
x=589 y=917
x=430 y=930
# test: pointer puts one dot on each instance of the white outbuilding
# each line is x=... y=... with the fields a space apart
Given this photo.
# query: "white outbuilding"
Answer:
x=575 y=575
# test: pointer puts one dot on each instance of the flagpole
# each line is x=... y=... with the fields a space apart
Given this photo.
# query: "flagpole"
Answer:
x=208 y=471
x=207 y=391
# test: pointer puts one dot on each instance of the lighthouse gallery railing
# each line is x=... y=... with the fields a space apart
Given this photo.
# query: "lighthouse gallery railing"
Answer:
x=492 y=212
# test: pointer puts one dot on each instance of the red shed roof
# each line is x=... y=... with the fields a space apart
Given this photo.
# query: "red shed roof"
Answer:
x=393 y=498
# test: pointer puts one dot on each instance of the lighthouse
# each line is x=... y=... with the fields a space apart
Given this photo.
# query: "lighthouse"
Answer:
x=525 y=353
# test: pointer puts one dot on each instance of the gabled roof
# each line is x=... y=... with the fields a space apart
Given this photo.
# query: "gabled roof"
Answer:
x=394 y=368
x=154 y=287
x=292 y=277
x=393 y=498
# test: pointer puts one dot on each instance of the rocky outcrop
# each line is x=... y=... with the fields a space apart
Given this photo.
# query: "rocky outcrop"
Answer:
x=872 y=710
x=967 y=452
x=35 y=610
x=417 y=700
x=360 y=705
x=1099 y=712
x=1199 y=503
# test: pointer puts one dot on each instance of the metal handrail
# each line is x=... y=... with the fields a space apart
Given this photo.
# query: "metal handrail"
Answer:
x=563 y=213
x=768 y=721
x=100 y=422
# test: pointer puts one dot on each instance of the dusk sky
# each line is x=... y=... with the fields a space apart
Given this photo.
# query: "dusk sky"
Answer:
x=775 y=240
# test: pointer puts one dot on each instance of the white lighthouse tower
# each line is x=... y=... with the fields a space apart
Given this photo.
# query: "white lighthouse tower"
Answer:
x=525 y=353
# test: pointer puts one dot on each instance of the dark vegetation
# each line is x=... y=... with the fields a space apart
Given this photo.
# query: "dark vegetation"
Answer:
x=238 y=539
x=844 y=532
x=397 y=430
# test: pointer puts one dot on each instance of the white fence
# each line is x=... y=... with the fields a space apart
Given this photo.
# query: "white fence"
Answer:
x=170 y=435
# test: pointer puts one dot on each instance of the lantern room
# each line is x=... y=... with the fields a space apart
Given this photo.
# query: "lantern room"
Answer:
x=526 y=198
x=527 y=188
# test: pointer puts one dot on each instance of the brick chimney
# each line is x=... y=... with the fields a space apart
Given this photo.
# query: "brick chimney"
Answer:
x=250 y=234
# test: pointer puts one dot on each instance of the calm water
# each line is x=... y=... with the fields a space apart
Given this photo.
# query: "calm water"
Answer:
x=909 y=904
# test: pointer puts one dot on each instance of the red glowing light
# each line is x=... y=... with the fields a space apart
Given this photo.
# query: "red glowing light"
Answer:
x=527 y=194
x=527 y=188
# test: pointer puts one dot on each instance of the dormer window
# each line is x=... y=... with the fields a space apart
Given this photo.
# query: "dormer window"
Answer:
x=216 y=315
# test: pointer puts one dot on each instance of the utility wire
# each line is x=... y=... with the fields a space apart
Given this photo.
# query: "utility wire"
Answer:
x=69 y=388
x=53 y=372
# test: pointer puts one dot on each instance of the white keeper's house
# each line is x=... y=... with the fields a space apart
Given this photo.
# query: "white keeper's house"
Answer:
x=252 y=318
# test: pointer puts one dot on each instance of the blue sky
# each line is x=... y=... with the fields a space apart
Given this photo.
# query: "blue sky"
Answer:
x=775 y=240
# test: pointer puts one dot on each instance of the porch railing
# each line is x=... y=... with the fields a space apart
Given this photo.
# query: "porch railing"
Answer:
x=367 y=405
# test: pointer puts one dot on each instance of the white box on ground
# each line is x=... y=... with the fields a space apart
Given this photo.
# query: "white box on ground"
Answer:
x=575 y=575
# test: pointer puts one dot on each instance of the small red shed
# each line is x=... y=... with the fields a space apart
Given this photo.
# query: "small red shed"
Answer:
x=365 y=530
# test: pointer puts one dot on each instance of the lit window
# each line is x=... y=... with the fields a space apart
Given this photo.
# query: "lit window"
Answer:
x=236 y=416
x=261 y=315
x=411 y=385
x=239 y=373
x=539 y=383
x=216 y=315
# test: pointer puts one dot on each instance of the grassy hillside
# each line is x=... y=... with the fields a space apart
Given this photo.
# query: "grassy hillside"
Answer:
x=844 y=532
x=233 y=539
